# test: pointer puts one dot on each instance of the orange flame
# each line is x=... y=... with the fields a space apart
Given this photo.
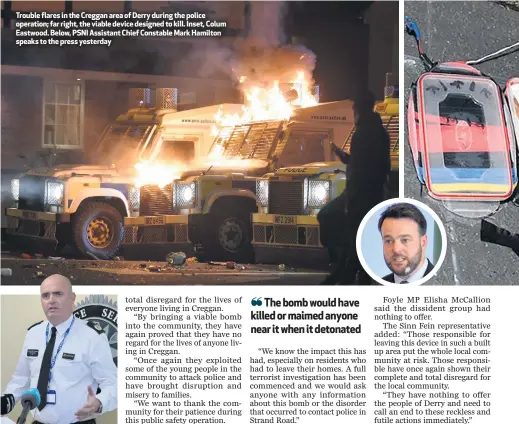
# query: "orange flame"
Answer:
x=304 y=88
x=262 y=103
x=269 y=103
x=149 y=173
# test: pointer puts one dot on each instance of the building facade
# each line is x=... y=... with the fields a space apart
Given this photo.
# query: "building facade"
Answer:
x=56 y=101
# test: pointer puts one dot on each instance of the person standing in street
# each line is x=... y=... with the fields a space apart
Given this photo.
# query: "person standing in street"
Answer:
x=367 y=170
x=332 y=216
x=68 y=360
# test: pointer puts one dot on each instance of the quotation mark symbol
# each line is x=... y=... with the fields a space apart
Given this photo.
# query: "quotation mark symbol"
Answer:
x=256 y=301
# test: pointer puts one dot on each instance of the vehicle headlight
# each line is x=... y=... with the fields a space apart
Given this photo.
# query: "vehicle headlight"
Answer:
x=134 y=198
x=318 y=193
x=262 y=192
x=15 y=189
x=54 y=193
x=185 y=195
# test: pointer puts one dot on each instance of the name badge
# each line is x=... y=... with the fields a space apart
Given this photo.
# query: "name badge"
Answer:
x=69 y=356
x=51 y=397
x=32 y=353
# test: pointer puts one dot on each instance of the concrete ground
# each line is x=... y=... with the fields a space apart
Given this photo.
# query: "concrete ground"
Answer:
x=19 y=271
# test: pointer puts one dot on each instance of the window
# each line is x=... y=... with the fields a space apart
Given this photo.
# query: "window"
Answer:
x=166 y=148
x=303 y=148
x=121 y=144
x=62 y=115
x=177 y=150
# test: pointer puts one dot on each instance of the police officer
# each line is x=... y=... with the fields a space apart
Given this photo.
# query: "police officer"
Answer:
x=67 y=360
x=367 y=172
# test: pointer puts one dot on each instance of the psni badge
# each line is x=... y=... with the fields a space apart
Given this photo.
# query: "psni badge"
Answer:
x=101 y=312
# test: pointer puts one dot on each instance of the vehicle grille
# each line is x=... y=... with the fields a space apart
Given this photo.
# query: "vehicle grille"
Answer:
x=286 y=198
x=391 y=123
x=156 y=201
x=392 y=128
x=32 y=193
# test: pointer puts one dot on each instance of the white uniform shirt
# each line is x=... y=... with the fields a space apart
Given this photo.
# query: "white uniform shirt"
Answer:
x=85 y=360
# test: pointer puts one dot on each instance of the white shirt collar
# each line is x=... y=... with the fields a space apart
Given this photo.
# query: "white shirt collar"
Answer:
x=418 y=275
x=61 y=328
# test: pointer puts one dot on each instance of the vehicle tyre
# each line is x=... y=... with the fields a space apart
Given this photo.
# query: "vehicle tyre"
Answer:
x=98 y=230
x=229 y=238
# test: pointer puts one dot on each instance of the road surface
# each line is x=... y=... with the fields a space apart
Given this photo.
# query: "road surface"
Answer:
x=90 y=272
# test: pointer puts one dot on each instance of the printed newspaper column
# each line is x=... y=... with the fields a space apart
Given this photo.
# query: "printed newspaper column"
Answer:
x=183 y=359
x=436 y=357
x=307 y=360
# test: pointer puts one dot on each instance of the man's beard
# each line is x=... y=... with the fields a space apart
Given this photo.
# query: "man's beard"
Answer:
x=412 y=264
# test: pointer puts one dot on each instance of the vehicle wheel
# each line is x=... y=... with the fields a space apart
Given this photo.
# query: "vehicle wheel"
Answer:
x=98 y=230
x=230 y=239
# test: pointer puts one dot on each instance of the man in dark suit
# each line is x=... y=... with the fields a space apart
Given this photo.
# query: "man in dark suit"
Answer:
x=404 y=235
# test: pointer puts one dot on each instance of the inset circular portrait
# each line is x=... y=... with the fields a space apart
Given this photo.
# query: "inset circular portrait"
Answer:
x=401 y=241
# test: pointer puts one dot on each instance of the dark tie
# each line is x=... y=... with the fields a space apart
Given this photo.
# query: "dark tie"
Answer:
x=404 y=282
x=43 y=379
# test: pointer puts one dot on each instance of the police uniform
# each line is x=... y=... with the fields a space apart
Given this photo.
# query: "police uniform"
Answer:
x=83 y=360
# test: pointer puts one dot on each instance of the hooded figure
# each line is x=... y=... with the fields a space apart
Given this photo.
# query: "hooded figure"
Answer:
x=367 y=169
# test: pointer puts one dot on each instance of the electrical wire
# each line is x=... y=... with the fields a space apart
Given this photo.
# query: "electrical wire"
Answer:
x=411 y=62
x=411 y=28
x=503 y=52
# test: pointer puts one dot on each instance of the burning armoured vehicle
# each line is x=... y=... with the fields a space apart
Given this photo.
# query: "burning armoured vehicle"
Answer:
x=285 y=227
x=84 y=205
x=210 y=208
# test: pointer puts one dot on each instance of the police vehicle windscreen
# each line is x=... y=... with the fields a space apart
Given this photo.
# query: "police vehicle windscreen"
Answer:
x=303 y=148
x=177 y=151
x=121 y=142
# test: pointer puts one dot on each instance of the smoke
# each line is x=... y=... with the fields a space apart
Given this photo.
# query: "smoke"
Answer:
x=256 y=63
x=207 y=58
x=266 y=22
x=262 y=57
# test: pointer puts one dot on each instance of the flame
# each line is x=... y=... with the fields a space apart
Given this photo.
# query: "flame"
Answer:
x=227 y=120
x=216 y=152
x=302 y=83
x=269 y=102
x=152 y=173
x=263 y=102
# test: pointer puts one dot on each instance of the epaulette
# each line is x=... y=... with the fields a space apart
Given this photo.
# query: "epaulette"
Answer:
x=34 y=325
x=95 y=326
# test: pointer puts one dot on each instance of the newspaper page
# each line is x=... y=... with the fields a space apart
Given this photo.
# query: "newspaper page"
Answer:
x=185 y=184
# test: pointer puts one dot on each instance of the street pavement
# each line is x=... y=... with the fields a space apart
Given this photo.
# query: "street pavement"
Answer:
x=29 y=272
x=465 y=31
